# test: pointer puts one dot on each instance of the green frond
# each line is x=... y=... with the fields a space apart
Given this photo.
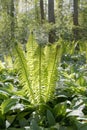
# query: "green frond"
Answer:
x=83 y=48
x=21 y=65
x=33 y=58
x=53 y=54
x=38 y=70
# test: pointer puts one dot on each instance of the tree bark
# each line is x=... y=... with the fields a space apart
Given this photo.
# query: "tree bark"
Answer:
x=75 y=19
x=51 y=19
x=42 y=10
x=37 y=14
x=12 y=15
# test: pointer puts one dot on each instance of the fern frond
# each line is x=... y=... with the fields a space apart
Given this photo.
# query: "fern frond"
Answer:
x=34 y=66
x=83 y=48
x=21 y=64
x=53 y=53
x=38 y=70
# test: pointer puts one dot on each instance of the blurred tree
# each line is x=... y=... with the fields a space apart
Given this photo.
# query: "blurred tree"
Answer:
x=7 y=23
x=75 y=19
x=12 y=15
x=83 y=19
x=18 y=17
x=51 y=19
x=37 y=11
x=42 y=10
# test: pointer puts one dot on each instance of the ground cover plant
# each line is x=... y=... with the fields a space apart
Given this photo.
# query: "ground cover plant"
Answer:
x=43 y=79
x=47 y=95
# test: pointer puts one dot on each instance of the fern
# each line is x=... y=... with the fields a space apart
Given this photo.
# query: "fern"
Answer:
x=38 y=70
x=34 y=66
x=21 y=65
x=53 y=56
x=83 y=48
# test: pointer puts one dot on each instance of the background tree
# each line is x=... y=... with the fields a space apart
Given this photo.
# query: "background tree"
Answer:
x=7 y=23
x=75 y=19
x=12 y=15
x=51 y=19
x=83 y=19
x=19 y=17
x=42 y=10
x=63 y=14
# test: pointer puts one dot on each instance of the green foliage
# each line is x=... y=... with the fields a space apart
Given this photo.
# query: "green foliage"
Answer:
x=66 y=110
x=51 y=119
x=22 y=64
x=7 y=104
x=47 y=95
x=83 y=48
x=38 y=70
x=34 y=125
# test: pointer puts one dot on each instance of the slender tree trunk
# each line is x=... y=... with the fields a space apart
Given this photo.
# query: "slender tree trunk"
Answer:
x=12 y=15
x=42 y=10
x=75 y=19
x=37 y=16
x=60 y=10
x=51 y=19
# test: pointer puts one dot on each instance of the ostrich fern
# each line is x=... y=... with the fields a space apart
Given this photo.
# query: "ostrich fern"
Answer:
x=83 y=48
x=37 y=70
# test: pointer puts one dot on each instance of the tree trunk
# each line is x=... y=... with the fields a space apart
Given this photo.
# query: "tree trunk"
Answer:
x=42 y=10
x=12 y=15
x=60 y=10
x=75 y=19
x=37 y=16
x=51 y=19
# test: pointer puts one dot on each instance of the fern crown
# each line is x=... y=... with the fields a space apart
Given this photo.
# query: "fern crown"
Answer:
x=37 y=70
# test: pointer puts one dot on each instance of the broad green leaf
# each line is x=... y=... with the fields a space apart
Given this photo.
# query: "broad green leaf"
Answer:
x=2 y=120
x=23 y=122
x=7 y=104
x=60 y=109
x=83 y=127
x=50 y=118
x=3 y=95
x=10 y=118
x=15 y=128
x=34 y=125
x=66 y=128
x=4 y=90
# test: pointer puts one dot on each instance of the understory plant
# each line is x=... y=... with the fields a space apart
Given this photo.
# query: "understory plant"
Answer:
x=39 y=101
x=83 y=48
x=37 y=70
